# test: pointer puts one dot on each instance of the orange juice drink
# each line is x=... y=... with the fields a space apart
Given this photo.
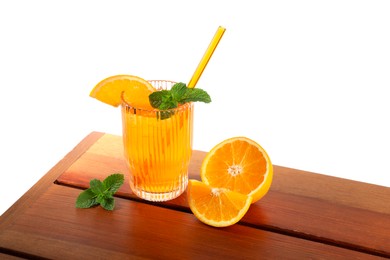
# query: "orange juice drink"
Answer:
x=158 y=147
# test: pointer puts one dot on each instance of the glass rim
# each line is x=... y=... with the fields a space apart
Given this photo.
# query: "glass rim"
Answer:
x=155 y=83
x=180 y=107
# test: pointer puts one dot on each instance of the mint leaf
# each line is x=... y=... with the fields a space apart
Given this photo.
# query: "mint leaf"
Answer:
x=100 y=192
x=86 y=199
x=156 y=98
x=108 y=203
x=113 y=182
x=163 y=100
x=178 y=94
x=168 y=102
x=178 y=91
x=195 y=95
x=166 y=114
x=96 y=186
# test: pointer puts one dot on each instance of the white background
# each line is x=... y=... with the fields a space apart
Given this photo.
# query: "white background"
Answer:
x=308 y=80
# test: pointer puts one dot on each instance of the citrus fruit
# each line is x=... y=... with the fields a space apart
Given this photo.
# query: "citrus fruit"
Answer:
x=218 y=207
x=135 y=91
x=238 y=164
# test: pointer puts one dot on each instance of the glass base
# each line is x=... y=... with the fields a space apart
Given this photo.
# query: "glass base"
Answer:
x=159 y=196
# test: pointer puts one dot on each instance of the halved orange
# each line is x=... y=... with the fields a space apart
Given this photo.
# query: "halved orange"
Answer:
x=238 y=164
x=136 y=91
x=218 y=207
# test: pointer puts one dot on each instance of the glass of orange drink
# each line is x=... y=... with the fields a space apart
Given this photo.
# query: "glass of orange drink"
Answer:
x=157 y=147
x=157 y=131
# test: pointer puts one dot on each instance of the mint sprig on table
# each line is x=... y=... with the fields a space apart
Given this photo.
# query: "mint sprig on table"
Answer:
x=177 y=95
x=101 y=192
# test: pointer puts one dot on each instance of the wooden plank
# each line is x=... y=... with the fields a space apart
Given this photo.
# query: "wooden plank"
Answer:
x=302 y=204
x=51 y=227
x=49 y=178
x=333 y=189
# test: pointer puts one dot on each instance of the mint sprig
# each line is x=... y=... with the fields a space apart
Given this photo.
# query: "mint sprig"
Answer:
x=177 y=95
x=101 y=192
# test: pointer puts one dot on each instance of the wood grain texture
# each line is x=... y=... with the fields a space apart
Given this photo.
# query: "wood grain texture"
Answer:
x=302 y=204
x=53 y=228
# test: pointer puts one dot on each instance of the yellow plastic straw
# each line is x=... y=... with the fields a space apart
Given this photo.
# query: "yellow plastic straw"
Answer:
x=206 y=57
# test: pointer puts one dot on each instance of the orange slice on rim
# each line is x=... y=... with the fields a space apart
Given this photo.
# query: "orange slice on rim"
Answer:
x=136 y=91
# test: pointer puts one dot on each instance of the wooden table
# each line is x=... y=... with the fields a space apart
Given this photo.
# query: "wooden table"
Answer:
x=304 y=215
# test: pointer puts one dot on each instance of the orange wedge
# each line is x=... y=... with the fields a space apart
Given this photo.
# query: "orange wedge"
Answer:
x=217 y=207
x=238 y=164
x=136 y=91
